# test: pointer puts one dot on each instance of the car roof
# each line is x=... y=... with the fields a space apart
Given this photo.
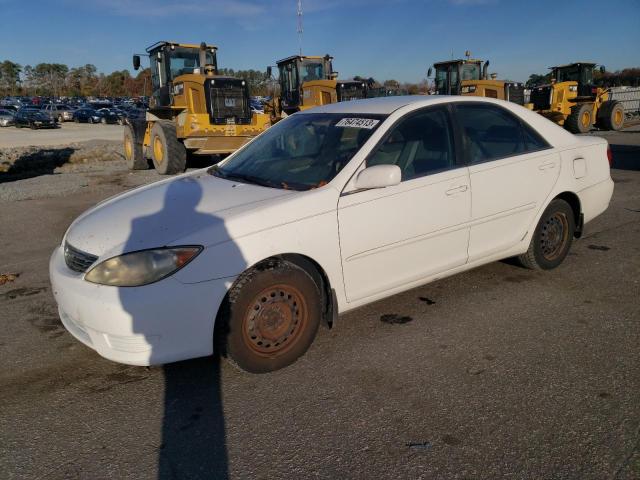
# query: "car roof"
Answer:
x=553 y=133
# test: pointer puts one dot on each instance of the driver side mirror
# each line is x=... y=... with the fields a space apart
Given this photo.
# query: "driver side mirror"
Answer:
x=429 y=72
x=378 y=176
x=136 y=62
x=269 y=71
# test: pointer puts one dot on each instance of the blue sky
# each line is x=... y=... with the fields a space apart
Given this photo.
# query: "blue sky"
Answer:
x=384 y=39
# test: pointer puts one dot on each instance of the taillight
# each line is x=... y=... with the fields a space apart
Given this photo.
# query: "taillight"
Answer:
x=609 y=156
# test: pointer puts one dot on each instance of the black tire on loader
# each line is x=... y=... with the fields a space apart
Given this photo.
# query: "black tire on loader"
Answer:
x=611 y=115
x=168 y=154
x=133 y=151
x=581 y=118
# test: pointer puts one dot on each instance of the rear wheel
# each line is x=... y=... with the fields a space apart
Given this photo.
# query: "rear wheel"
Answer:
x=272 y=318
x=552 y=238
x=167 y=152
x=611 y=115
x=581 y=118
x=133 y=152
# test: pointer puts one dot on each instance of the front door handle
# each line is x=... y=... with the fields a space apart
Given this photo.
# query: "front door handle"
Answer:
x=458 y=189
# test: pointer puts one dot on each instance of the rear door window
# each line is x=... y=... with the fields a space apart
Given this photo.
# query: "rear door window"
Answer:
x=490 y=132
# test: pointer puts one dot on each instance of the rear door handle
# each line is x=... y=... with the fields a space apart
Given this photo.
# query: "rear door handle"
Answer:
x=458 y=189
x=546 y=166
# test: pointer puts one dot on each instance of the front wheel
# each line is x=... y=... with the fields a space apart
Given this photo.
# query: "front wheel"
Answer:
x=581 y=118
x=168 y=153
x=552 y=238
x=272 y=318
x=133 y=151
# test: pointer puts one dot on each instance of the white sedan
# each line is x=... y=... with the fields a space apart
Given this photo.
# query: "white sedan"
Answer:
x=330 y=209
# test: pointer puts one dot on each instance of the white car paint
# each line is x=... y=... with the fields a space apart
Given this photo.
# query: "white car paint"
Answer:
x=370 y=244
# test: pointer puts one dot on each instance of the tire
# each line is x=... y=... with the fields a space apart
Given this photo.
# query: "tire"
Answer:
x=552 y=238
x=271 y=317
x=103 y=121
x=133 y=152
x=611 y=115
x=60 y=119
x=32 y=126
x=168 y=154
x=581 y=118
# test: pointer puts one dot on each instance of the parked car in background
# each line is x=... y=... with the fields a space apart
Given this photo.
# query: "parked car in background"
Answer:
x=7 y=118
x=10 y=107
x=61 y=112
x=405 y=191
x=34 y=118
x=86 y=115
x=110 y=115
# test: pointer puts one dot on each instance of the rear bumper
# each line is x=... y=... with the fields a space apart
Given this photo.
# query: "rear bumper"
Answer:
x=159 y=323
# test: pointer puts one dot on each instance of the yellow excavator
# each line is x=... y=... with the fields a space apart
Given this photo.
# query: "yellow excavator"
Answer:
x=575 y=102
x=192 y=110
x=309 y=81
x=469 y=76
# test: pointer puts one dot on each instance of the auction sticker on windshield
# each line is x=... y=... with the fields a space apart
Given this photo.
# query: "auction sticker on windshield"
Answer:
x=367 y=123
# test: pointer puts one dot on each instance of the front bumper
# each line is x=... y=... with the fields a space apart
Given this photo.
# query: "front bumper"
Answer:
x=164 y=322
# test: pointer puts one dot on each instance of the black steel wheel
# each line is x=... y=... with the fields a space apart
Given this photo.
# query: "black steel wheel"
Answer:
x=552 y=238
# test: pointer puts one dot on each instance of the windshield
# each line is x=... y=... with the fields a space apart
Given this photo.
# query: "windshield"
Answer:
x=302 y=152
x=471 y=71
x=311 y=70
x=568 y=74
x=185 y=60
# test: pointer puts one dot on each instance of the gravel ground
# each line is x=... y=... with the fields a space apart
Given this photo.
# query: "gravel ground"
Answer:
x=46 y=172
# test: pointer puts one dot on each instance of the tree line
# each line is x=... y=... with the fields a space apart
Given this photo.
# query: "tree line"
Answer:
x=59 y=80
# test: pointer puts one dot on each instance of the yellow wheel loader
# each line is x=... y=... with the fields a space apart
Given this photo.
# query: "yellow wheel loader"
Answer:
x=192 y=110
x=309 y=81
x=573 y=100
x=469 y=77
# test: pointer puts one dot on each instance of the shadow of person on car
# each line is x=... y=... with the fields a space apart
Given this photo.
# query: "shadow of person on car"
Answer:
x=193 y=429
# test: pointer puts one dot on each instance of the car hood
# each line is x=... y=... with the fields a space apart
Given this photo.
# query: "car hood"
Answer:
x=163 y=213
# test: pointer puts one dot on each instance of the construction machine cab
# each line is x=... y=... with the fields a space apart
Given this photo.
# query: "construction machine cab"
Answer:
x=450 y=74
x=582 y=73
x=297 y=70
x=169 y=60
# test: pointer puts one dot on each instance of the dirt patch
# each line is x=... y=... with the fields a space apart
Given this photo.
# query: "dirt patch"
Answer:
x=27 y=162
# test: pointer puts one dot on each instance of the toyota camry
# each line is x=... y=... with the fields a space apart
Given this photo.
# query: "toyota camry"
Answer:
x=330 y=209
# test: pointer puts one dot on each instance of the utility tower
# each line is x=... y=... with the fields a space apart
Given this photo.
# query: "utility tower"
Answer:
x=300 y=26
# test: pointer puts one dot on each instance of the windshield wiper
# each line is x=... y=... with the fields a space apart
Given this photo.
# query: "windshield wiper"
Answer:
x=240 y=177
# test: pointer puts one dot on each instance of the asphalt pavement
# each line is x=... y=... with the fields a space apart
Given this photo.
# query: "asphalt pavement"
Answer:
x=499 y=372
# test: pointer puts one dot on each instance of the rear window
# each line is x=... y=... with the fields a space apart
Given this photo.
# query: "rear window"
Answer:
x=492 y=133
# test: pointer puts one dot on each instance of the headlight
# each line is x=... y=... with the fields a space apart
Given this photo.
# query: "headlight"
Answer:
x=573 y=88
x=178 y=88
x=468 y=89
x=141 y=268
